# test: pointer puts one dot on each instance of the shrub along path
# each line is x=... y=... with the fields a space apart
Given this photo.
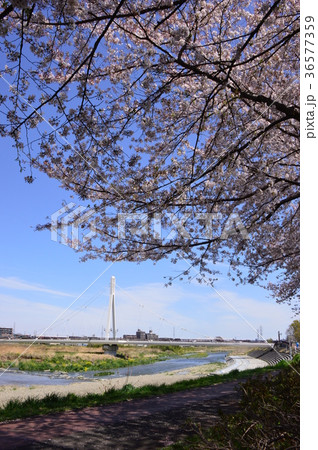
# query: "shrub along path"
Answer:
x=144 y=423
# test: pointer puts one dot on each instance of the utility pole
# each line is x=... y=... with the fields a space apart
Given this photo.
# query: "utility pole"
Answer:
x=111 y=309
x=260 y=334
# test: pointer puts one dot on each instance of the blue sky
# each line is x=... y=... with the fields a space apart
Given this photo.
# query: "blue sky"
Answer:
x=40 y=278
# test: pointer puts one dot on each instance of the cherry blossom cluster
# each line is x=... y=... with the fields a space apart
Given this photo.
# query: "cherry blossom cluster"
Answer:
x=180 y=107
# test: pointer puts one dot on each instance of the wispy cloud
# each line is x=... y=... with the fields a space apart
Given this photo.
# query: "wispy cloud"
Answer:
x=202 y=311
x=272 y=316
x=165 y=310
x=178 y=310
x=20 y=285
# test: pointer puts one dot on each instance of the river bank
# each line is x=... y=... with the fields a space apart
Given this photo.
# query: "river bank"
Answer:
x=15 y=392
x=241 y=363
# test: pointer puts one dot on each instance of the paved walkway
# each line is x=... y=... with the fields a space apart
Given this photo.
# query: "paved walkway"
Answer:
x=93 y=427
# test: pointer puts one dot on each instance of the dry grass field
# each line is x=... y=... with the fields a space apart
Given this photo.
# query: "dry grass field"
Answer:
x=9 y=352
x=81 y=358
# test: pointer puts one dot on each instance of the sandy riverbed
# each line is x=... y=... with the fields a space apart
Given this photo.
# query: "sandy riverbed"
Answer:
x=241 y=363
x=8 y=393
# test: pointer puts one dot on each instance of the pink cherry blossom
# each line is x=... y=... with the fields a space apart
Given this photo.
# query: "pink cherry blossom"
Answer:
x=166 y=107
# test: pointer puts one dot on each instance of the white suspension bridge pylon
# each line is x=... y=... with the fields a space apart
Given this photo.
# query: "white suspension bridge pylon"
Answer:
x=111 y=310
x=114 y=341
x=111 y=329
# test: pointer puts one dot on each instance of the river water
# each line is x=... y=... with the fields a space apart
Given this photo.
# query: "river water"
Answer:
x=44 y=378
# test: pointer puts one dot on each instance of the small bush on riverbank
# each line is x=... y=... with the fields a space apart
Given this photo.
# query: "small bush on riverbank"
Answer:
x=268 y=417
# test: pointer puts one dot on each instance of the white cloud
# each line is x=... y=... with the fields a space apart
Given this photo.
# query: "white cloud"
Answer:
x=155 y=306
x=16 y=284
x=237 y=311
x=184 y=310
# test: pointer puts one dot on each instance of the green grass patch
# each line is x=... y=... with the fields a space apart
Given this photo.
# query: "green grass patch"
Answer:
x=66 y=362
x=180 y=350
x=53 y=403
x=103 y=374
x=60 y=363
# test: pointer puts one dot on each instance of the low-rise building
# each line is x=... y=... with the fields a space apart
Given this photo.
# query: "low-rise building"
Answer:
x=129 y=337
x=151 y=336
x=141 y=336
x=6 y=332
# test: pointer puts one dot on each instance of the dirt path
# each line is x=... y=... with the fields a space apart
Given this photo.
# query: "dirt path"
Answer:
x=137 y=424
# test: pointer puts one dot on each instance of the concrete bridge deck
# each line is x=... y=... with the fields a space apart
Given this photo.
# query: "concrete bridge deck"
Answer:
x=194 y=343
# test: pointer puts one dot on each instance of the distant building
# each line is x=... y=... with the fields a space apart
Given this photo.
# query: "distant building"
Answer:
x=151 y=336
x=129 y=337
x=141 y=336
x=6 y=332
